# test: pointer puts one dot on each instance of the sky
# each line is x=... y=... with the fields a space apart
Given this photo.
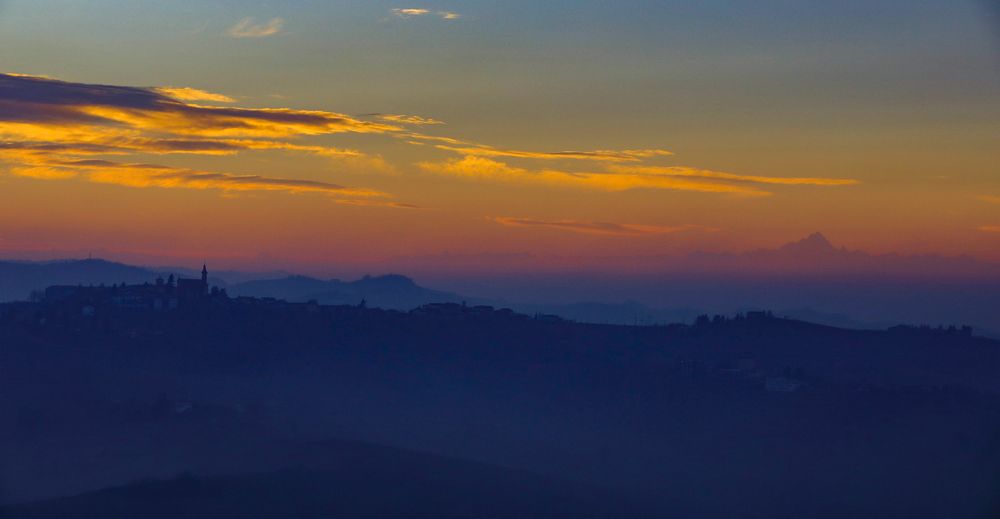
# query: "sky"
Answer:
x=324 y=136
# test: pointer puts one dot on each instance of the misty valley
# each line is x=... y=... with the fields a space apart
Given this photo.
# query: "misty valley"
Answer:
x=168 y=399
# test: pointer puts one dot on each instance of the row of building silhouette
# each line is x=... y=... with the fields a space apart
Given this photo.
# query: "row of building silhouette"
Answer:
x=164 y=294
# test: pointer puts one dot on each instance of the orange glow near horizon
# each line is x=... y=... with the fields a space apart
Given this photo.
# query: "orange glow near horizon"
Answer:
x=323 y=172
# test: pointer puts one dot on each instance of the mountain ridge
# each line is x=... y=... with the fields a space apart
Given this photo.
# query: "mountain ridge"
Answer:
x=808 y=277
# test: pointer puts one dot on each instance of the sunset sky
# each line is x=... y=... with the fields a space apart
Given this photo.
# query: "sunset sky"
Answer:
x=320 y=135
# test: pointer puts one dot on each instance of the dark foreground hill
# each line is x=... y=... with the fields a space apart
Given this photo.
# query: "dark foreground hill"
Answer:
x=348 y=480
x=748 y=417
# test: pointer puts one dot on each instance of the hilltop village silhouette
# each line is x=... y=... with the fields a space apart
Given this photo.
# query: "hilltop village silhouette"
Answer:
x=193 y=299
x=164 y=294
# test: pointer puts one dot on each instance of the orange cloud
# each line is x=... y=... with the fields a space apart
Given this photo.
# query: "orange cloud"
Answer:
x=188 y=179
x=993 y=199
x=152 y=175
x=990 y=228
x=123 y=144
x=42 y=116
x=482 y=168
x=193 y=94
x=598 y=155
x=430 y=138
x=51 y=129
x=39 y=105
x=43 y=172
x=680 y=171
x=597 y=228
x=210 y=121
x=47 y=124
x=477 y=168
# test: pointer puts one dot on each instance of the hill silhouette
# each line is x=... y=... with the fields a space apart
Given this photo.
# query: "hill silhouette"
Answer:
x=19 y=278
x=391 y=291
x=349 y=479
x=715 y=419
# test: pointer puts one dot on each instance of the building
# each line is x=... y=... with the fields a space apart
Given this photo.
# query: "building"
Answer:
x=163 y=295
x=194 y=288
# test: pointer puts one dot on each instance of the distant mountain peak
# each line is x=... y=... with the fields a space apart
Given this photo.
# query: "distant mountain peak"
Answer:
x=814 y=243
